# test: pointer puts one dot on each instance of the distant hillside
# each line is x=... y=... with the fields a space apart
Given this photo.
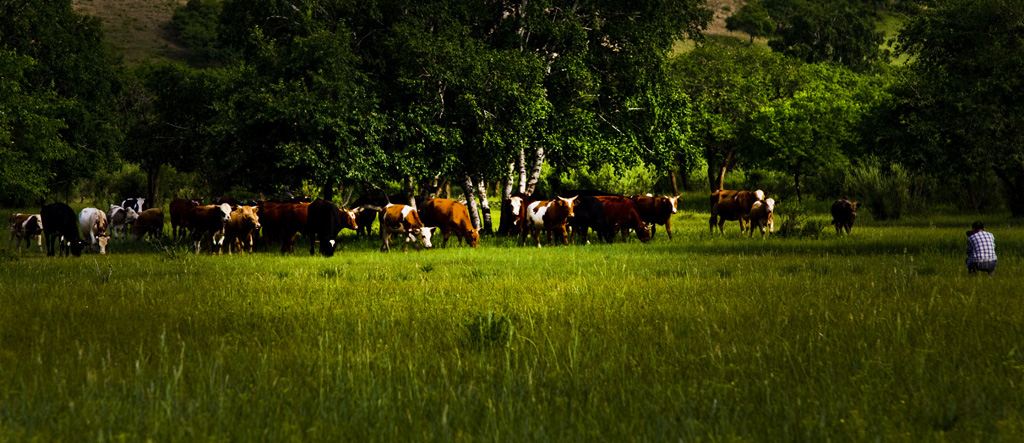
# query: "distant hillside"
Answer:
x=140 y=29
x=137 y=29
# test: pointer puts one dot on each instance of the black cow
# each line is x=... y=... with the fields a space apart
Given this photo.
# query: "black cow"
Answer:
x=589 y=214
x=324 y=221
x=844 y=212
x=60 y=222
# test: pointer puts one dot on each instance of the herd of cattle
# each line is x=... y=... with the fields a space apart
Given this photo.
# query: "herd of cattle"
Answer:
x=237 y=226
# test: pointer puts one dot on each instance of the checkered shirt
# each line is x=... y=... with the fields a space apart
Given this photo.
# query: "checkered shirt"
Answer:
x=981 y=247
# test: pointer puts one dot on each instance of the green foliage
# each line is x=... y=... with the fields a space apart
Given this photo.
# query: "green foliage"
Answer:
x=837 y=31
x=196 y=23
x=887 y=191
x=753 y=19
x=490 y=329
x=623 y=180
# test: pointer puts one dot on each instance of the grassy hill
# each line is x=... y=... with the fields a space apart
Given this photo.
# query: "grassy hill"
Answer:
x=138 y=30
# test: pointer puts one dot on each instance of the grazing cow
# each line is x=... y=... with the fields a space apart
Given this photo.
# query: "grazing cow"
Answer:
x=61 y=224
x=93 y=223
x=239 y=229
x=403 y=220
x=732 y=205
x=656 y=211
x=205 y=221
x=365 y=219
x=450 y=216
x=588 y=213
x=843 y=214
x=550 y=216
x=26 y=227
x=150 y=221
x=325 y=221
x=179 y=208
x=623 y=217
x=762 y=214
x=118 y=218
x=281 y=222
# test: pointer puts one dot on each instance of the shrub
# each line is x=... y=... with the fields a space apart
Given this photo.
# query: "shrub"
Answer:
x=887 y=191
x=639 y=179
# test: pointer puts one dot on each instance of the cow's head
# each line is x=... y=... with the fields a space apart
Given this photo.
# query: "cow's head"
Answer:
x=421 y=235
x=76 y=245
x=759 y=194
x=130 y=215
x=569 y=203
x=102 y=241
x=225 y=212
x=350 y=217
x=473 y=238
x=674 y=201
x=643 y=233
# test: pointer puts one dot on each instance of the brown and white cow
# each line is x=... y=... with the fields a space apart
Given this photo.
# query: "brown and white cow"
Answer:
x=451 y=217
x=93 y=223
x=118 y=218
x=405 y=221
x=843 y=214
x=204 y=222
x=656 y=211
x=179 y=208
x=623 y=217
x=762 y=215
x=26 y=227
x=732 y=205
x=281 y=222
x=550 y=216
x=239 y=229
x=150 y=221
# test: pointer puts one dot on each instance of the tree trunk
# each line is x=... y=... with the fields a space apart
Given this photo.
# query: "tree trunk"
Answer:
x=506 y=190
x=410 y=191
x=796 y=185
x=684 y=173
x=467 y=190
x=521 y=167
x=716 y=175
x=153 y=185
x=327 y=191
x=485 y=208
x=538 y=163
x=1013 y=186
x=675 y=186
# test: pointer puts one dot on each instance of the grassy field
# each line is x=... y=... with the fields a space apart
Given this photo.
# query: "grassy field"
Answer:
x=881 y=335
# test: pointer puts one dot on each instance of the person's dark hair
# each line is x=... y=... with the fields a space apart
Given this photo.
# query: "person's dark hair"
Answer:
x=977 y=226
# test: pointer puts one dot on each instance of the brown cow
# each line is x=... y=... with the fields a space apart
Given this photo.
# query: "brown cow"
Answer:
x=150 y=221
x=25 y=227
x=451 y=216
x=179 y=208
x=547 y=215
x=404 y=220
x=282 y=221
x=205 y=221
x=843 y=214
x=762 y=215
x=239 y=229
x=656 y=211
x=623 y=216
x=732 y=205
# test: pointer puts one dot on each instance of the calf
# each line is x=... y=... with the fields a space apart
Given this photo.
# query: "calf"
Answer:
x=623 y=217
x=179 y=208
x=118 y=218
x=150 y=221
x=403 y=220
x=239 y=229
x=732 y=205
x=205 y=221
x=762 y=214
x=325 y=221
x=550 y=216
x=843 y=214
x=25 y=227
x=93 y=223
x=60 y=224
x=656 y=211
x=450 y=216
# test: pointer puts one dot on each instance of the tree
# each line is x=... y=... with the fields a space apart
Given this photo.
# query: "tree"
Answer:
x=68 y=59
x=753 y=19
x=839 y=31
x=961 y=108
x=30 y=125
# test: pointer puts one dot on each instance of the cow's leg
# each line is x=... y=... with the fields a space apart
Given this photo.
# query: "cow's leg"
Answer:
x=668 y=227
x=712 y=222
x=447 y=233
x=654 y=228
x=849 y=226
x=387 y=239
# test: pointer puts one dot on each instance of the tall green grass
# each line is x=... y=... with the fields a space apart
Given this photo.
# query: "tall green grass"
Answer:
x=880 y=335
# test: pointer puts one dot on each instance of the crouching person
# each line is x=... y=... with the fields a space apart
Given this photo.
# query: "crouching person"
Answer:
x=981 y=250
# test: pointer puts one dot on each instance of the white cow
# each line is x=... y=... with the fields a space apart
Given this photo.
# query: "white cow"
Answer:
x=26 y=226
x=119 y=218
x=93 y=223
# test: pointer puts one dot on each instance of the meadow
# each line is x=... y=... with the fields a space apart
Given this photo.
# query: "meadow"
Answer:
x=878 y=336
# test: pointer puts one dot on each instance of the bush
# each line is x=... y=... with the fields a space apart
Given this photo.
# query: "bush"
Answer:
x=887 y=191
x=793 y=223
x=633 y=180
